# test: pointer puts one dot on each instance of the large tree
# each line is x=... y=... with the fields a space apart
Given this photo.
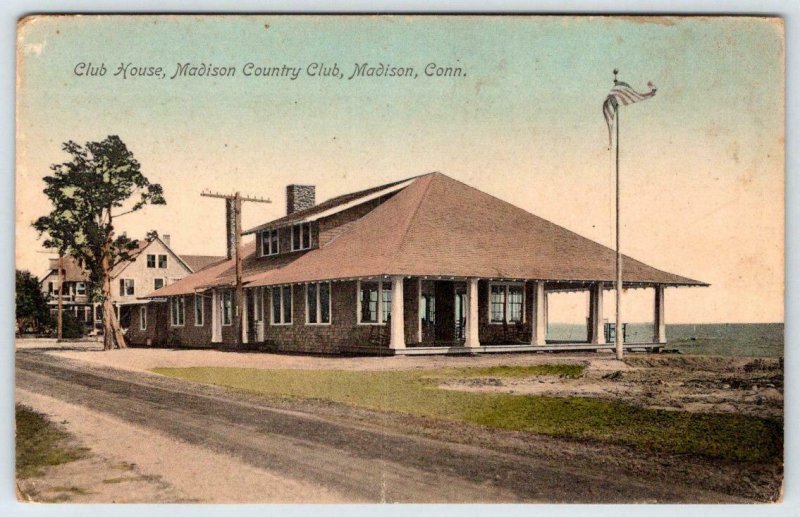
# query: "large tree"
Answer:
x=100 y=183
x=32 y=312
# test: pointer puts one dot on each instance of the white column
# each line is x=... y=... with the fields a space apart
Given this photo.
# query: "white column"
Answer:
x=471 y=335
x=216 y=329
x=397 y=337
x=245 y=321
x=596 y=316
x=419 y=310
x=659 y=326
x=539 y=323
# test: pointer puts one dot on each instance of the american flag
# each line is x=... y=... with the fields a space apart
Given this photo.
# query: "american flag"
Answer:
x=623 y=94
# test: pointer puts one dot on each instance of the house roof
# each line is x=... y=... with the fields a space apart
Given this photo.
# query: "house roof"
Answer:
x=198 y=262
x=72 y=271
x=325 y=206
x=211 y=274
x=437 y=226
x=143 y=244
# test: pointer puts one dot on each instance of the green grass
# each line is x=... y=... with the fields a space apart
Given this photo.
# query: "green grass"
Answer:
x=415 y=392
x=40 y=443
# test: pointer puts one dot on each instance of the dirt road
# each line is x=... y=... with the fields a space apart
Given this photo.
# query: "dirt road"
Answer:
x=354 y=459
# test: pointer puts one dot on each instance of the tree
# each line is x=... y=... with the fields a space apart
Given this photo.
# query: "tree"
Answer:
x=32 y=312
x=102 y=182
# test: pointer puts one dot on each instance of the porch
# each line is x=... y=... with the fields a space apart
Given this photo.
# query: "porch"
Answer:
x=401 y=315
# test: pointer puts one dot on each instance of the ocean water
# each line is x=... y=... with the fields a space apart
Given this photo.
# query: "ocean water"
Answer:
x=727 y=339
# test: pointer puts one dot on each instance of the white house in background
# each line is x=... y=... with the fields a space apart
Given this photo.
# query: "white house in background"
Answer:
x=154 y=265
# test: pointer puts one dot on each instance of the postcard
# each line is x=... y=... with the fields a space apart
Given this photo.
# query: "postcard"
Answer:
x=399 y=259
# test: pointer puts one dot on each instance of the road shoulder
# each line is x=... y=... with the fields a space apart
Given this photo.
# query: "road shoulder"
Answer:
x=121 y=470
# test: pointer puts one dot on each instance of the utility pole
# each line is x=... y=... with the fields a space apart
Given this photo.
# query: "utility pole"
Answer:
x=238 y=299
x=60 y=297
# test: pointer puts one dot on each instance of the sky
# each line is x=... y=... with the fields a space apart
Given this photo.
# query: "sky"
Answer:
x=702 y=163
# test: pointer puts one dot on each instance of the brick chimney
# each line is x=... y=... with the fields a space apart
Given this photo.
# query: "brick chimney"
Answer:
x=165 y=238
x=299 y=197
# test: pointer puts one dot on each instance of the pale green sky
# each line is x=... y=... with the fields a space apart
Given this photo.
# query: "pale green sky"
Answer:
x=702 y=162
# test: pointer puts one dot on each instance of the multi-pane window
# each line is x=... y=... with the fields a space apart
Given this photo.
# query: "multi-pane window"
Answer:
x=80 y=288
x=143 y=317
x=301 y=236
x=227 y=307
x=158 y=283
x=176 y=311
x=318 y=303
x=269 y=242
x=375 y=302
x=282 y=305
x=162 y=261
x=199 y=310
x=151 y=261
x=126 y=287
x=506 y=303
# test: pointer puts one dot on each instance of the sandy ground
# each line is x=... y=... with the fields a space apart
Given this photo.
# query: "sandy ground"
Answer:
x=121 y=470
x=143 y=359
x=689 y=383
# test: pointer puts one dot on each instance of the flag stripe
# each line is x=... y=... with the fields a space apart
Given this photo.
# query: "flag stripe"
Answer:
x=623 y=94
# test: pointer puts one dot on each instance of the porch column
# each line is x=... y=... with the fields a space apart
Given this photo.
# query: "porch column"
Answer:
x=539 y=323
x=397 y=337
x=216 y=330
x=471 y=339
x=659 y=326
x=243 y=319
x=596 y=315
x=419 y=310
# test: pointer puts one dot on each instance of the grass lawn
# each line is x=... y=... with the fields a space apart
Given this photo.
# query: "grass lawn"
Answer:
x=415 y=392
x=40 y=443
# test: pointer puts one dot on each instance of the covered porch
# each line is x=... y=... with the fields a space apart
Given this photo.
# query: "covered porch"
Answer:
x=479 y=315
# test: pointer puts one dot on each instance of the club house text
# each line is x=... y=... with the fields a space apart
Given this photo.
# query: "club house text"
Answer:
x=131 y=70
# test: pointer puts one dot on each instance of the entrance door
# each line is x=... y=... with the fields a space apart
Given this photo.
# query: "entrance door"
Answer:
x=445 y=312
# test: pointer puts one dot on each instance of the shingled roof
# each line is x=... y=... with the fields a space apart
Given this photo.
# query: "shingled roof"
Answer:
x=438 y=226
x=198 y=262
x=339 y=201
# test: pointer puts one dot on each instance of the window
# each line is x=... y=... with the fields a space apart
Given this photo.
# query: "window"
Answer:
x=428 y=309
x=227 y=307
x=50 y=288
x=126 y=287
x=162 y=261
x=198 y=310
x=318 y=303
x=269 y=243
x=258 y=304
x=282 y=305
x=158 y=283
x=80 y=288
x=143 y=317
x=151 y=261
x=301 y=236
x=369 y=294
x=507 y=303
x=176 y=311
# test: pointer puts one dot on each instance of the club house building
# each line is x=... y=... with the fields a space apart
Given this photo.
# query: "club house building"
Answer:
x=425 y=265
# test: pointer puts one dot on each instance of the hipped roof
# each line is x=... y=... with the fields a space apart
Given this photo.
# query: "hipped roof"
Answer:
x=437 y=226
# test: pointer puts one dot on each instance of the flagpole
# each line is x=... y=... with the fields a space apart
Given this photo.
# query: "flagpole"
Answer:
x=618 y=337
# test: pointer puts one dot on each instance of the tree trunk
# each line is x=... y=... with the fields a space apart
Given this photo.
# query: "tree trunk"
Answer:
x=112 y=332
